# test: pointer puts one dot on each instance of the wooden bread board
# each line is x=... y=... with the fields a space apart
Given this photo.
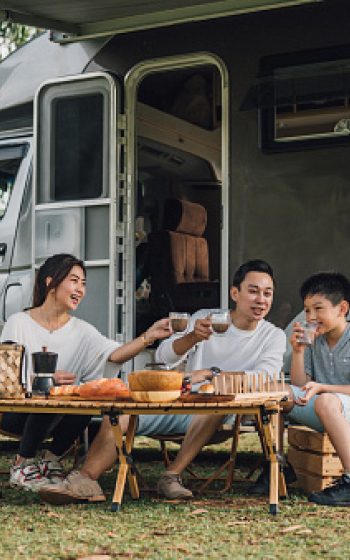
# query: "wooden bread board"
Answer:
x=205 y=398
x=93 y=398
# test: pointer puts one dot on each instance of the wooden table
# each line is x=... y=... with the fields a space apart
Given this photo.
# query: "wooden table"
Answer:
x=265 y=405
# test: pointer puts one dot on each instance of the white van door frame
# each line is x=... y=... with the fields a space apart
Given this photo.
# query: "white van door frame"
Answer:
x=49 y=213
x=132 y=82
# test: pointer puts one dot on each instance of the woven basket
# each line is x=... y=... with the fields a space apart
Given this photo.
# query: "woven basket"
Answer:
x=11 y=356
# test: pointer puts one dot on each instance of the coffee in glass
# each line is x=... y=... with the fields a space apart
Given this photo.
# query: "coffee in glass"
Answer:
x=178 y=321
x=220 y=321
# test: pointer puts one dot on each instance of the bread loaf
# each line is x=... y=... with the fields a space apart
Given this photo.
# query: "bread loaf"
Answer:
x=104 y=388
x=206 y=388
x=112 y=388
x=65 y=390
x=154 y=380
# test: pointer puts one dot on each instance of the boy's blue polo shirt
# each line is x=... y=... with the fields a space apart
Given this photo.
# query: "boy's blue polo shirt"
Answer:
x=331 y=366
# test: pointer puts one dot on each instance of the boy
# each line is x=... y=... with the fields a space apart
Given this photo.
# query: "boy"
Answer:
x=320 y=374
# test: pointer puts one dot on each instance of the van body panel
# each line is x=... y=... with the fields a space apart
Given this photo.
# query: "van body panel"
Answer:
x=290 y=207
x=24 y=70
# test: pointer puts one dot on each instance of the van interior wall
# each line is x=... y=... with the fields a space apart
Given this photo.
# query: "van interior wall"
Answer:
x=289 y=208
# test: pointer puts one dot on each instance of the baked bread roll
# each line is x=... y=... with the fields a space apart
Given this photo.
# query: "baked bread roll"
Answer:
x=65 y=390
x=206 y=388
x=154 y=380
x=111 y=388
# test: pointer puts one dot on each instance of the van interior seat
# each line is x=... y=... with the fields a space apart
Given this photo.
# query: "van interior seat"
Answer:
x=180 y=276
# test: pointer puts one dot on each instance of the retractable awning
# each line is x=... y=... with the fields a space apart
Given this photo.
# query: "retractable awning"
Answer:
x=91 y=18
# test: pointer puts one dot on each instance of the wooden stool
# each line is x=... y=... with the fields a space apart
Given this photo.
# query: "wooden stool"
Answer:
x=313 y=458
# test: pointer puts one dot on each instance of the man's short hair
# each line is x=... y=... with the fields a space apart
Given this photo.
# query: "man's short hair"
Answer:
x=256 y=265
x=332 y=285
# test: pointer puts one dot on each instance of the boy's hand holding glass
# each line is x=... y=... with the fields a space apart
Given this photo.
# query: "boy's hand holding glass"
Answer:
x=309 y=332
x=304 y=334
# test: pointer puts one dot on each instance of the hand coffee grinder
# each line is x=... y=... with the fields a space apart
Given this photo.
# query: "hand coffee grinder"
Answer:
x=44 y=367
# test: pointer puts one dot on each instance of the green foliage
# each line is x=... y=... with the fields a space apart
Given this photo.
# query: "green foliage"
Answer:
x=13 y=35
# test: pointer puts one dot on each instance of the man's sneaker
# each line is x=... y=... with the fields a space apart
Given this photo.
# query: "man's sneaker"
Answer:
x=27 y=475
x=170 y=486
x=76 y=488
x=338 y=494
x=51 y=468
x=262 y=485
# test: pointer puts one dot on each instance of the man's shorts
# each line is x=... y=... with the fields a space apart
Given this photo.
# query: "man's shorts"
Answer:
x=164 y=424
x=306 y=415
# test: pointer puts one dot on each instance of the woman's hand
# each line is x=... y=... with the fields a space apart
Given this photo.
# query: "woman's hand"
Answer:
x=311 y=389
x=160 y=329
x=298 y=332
x=64 y=378
x=202 y=329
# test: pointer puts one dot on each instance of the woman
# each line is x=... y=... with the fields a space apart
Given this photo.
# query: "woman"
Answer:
x=58 y=290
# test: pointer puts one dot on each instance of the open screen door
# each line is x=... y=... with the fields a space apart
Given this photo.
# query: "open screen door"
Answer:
x=79 y=190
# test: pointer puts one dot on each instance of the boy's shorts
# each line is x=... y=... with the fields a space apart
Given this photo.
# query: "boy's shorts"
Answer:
x=306 y=415
x=164 y=424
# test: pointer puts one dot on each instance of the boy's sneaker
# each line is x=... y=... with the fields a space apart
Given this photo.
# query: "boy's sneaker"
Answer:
x=262 y=485
x=170 y=486
x=51 y=468
x=338 y=494
x=76 y=488
x=27 y=475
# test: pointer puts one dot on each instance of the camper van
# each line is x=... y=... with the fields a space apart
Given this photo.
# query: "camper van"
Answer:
x=166 y=151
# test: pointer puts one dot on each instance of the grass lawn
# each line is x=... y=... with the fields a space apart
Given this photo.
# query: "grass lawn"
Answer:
x=230 y=525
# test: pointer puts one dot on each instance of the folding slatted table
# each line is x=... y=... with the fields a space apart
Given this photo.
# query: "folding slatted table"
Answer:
x=264 y=404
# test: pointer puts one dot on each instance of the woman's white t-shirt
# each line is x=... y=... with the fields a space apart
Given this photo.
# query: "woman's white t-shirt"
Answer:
x=82 y=349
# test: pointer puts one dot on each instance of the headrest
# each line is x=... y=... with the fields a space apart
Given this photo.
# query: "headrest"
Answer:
x=184 y=217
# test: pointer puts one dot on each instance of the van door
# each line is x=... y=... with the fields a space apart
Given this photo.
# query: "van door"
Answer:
x=80 y=195
x=15 y=159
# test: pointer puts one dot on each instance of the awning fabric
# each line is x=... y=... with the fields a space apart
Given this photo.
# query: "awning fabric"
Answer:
x=89 y=18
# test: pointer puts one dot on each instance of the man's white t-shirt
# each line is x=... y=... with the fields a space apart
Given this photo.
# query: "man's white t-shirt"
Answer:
x=257 y=351
x=81 y=348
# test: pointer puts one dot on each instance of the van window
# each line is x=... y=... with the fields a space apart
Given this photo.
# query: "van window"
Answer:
x=10 y=160
x=78 y=133
x=303 y=99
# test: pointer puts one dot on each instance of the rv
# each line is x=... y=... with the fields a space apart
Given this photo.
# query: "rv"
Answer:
x=108 y=130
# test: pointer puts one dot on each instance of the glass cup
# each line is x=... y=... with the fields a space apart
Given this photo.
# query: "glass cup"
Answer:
x=309 y=328
x=220 y=322
x=178 y=321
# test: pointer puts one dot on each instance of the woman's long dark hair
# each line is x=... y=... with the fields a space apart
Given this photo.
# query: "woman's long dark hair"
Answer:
x=57 y=268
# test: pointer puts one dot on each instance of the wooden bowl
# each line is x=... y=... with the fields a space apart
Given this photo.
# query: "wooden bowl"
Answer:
x=155 y=396
x=149 y=380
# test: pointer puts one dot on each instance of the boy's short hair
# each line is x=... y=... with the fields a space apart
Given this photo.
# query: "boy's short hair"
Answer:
x=332 y=285
x=256 y=265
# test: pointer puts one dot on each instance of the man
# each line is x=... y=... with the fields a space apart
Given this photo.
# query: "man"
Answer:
x=250 y=345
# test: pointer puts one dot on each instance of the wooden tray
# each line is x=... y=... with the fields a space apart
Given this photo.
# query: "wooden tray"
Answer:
x=77 y=398
x=205 y=398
